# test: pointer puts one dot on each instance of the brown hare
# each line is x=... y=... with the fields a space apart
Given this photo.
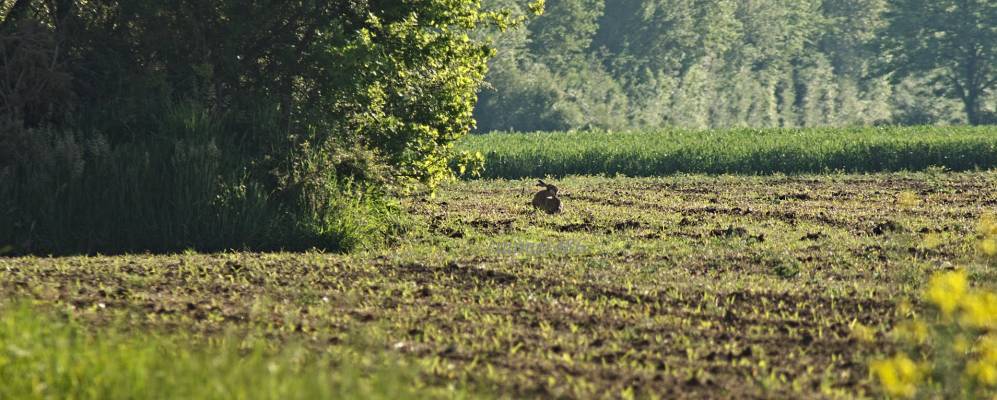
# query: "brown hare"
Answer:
x=547 y=199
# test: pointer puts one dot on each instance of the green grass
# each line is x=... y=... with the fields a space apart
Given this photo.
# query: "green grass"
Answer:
x=739 y=151
x=47 y=357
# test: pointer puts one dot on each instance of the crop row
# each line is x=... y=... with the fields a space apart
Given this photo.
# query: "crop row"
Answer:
x=736 y=151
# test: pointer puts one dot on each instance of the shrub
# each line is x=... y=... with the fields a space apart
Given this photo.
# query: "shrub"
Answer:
x=68 y=193
x=222 y=124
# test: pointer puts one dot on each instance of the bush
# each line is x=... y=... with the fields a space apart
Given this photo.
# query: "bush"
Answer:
x=132 y=125
x=67 y=193
x=953 y=352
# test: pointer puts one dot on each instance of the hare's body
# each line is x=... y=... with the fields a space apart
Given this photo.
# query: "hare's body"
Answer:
x=547 y=199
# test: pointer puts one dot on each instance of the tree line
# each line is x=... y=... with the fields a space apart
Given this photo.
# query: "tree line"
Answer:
x=759 y=63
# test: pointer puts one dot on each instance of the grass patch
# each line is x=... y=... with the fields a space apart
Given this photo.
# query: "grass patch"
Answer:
x=48 y=357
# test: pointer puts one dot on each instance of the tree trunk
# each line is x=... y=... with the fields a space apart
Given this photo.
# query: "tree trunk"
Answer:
x=62 y=15
x=971 y=102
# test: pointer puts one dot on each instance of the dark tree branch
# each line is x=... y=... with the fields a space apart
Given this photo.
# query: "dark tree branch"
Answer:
x=990 y=83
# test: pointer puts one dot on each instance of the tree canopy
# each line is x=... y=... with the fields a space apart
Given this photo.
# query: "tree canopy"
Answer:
x=156 y=124
x=397 y=77
x=952 y=42
x=759 y=63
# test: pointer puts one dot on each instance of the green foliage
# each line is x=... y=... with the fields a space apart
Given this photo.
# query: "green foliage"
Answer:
x=950 y=41
x=65 y=193
x=743 y=151
x=849 y=26
x=469 y=164
x=398 y=79
x=45 y=357
x=565 y=32
x=914 y=103
x=636 y=64
x=132 y=125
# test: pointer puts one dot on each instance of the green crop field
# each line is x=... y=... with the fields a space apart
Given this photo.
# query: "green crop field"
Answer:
x=742 y=151
x=689 y=286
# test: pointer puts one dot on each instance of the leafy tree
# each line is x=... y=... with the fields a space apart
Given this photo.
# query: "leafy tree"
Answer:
x=848 y=28
x=564 y=33
x=399 y=78
x=950 y=40
x=767 y=65
x=162 y=123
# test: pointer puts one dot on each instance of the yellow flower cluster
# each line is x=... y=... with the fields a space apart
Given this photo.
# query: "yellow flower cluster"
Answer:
x=964 y=334
x=947 y=291
x=984 y=370
x=975 y=310
x=898 y=375
x=972 y=311
x=979 y=310
x=950 y=293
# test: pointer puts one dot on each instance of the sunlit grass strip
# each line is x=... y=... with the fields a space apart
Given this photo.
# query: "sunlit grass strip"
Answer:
x=735 y=151
x=51 y=358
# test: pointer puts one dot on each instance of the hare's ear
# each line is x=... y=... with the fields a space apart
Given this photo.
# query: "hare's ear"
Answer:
x=541 y=183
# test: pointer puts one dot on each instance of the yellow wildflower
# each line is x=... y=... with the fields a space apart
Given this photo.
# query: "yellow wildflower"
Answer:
x=946 y=290
x=898 y=375
x=987 y=348
x=983 y=372
x=980 y=310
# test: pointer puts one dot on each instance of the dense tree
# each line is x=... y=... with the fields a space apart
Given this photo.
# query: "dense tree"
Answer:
x=564 y=34
x=397 y=77
x=846 y=31
x=664 y=35
x=952 y=40
x=155 y=124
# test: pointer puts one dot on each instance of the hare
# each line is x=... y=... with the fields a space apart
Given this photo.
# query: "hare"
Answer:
x=547 y=199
